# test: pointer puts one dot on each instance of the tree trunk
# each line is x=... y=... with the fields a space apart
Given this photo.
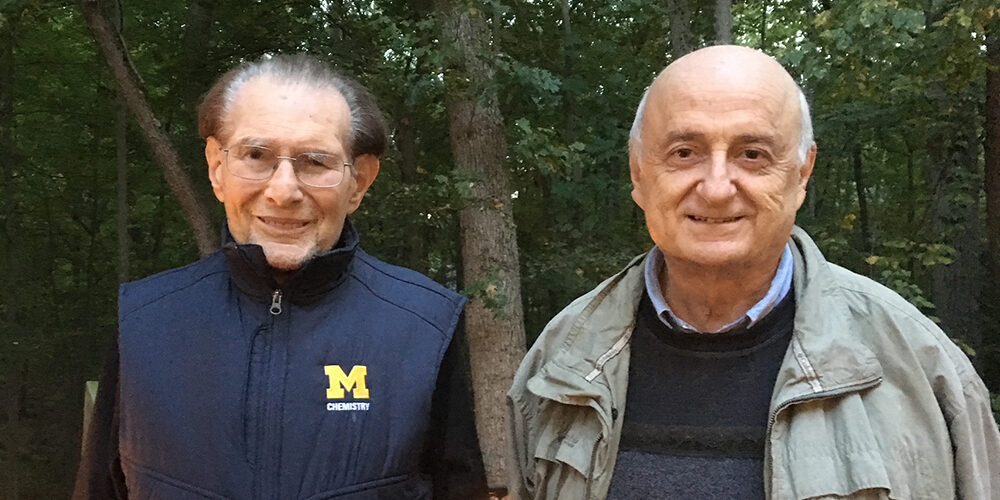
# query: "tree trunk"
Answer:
x=10 y=374
x=494 y=318
x=121 y=163
x=723 y=22
x=415 y=242
x=129 y=87
x=955 y=211
x=992 y=147
x=197 y=34
x=194 y=77
x=681 y=35
x=859 y=185
x=568 y=134
x=121 y=156
x=762 y=29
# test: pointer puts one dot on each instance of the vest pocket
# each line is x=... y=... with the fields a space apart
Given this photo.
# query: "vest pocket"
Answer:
x=146 y=484
x=390 y=488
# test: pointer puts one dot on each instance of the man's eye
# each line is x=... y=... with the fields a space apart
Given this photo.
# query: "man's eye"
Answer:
x=316 y=160
x=684 y=153
x=753 y=154
x=254 y=153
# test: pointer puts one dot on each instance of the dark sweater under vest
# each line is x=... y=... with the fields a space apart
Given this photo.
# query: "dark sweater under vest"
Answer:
x=697 y=408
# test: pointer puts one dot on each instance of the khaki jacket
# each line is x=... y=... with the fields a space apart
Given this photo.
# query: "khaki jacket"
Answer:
x=872 y=399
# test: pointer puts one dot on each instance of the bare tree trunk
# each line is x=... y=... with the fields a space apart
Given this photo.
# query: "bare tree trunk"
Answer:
x=121 y=162
x=992 y=147
x=10 y=373
x=197 y=34
x=12 y=431
x=415 y=242
x=567 y=72
x=121 y=157
x=681 y=35
x=762 y=29
x=494 y=317
x=129 y=87
x=955 y=220
x=859 y=185
x=723 y=22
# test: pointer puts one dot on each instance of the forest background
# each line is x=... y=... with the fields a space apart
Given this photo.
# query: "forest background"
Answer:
x=507 y=177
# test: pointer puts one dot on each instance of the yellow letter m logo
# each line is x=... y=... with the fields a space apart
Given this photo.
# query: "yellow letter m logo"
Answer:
x=354 y=382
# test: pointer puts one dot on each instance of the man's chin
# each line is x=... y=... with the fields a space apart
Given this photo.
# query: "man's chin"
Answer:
x=286 y=257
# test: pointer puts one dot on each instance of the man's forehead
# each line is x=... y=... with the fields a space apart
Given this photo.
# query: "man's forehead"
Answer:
x=269 y=101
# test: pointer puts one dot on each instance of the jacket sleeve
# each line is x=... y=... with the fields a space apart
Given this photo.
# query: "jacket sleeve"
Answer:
x=976 y=442
x=451 y=456
x=520 y=410
x=100 y=474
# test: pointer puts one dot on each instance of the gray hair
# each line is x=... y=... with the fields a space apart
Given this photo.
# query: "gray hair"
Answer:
x=368 y=132
x=806 y=139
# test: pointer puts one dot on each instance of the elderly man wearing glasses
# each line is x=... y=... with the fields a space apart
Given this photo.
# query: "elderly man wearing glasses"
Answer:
x=290 y=363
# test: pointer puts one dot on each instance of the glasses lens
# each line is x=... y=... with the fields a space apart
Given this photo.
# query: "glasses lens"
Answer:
x=319 y=169
x=252 y=162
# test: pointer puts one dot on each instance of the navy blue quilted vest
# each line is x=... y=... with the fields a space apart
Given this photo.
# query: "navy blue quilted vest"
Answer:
x=234 y=388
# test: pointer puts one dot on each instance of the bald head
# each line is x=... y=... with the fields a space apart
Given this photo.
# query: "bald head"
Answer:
x=731 y=68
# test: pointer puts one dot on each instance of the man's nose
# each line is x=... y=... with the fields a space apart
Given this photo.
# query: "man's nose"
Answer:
x=717 y=183
x=283 y=187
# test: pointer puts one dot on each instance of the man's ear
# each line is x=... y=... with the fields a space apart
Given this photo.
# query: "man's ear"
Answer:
x=634 y=167
x=215 y=157
x=805 y=173
x=366 y=169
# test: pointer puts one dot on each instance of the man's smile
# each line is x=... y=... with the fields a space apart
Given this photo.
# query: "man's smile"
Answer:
x=715 y=220
x=282 y=224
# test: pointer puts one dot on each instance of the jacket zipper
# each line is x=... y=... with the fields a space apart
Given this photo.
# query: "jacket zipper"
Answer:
x=275 y=303
x=615 y=350
x=860 y=386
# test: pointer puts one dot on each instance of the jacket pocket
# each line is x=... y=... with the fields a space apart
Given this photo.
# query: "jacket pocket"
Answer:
x=570 y=435
x=390 y=488
x=146 y=484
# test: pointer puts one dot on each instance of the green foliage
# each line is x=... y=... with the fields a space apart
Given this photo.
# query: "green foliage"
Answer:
x=899 y=82
x=491 y=292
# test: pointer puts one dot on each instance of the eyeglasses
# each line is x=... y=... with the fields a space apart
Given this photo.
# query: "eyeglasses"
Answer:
x=257 y=163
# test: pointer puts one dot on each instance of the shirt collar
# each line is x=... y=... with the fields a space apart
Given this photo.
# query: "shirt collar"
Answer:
x=779 y=288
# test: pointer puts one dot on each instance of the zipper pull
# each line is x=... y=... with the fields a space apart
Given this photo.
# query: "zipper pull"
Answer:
x=276 y=303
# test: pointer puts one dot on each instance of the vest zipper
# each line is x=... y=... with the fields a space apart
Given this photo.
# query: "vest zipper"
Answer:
x=266 y=481
x=769 y=472
x=275 y=303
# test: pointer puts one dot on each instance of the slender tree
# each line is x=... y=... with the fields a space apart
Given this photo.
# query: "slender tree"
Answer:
x=992 y=145
x=121 y=162
x=723 y=22
x=494 y=318
x=129 y=85
x=682 y=38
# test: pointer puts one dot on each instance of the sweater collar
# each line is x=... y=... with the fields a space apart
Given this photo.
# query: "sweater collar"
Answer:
x=252 y=274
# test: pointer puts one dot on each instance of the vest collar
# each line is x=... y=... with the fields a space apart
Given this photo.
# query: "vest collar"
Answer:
x=251 y=273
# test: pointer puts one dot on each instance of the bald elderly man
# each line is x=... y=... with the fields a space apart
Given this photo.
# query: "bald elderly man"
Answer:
x=733 y=360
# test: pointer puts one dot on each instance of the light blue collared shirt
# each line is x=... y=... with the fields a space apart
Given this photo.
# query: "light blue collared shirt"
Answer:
x=780 y=286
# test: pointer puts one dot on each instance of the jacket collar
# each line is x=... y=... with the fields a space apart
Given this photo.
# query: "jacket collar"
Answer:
x=251 y=273
x=825 y=354
x=598 y=334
